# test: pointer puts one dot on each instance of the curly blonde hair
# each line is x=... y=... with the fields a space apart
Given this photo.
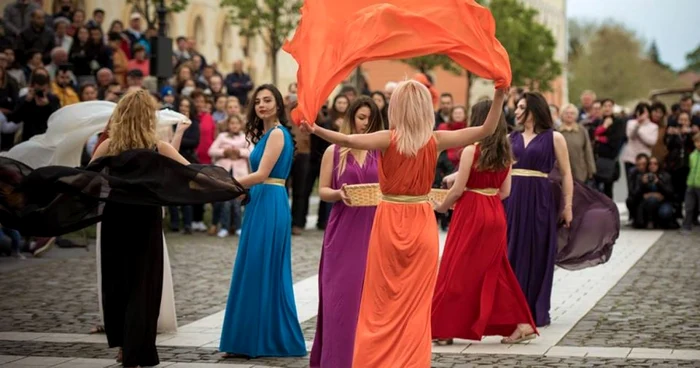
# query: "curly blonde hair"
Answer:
x=133 y=123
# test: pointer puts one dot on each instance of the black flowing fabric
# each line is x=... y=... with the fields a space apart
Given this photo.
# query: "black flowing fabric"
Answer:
x=55 y=200
x=125 y=192
x=595 y=227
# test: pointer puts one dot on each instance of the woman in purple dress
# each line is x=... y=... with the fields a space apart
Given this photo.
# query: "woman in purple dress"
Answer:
x=531 y=209
x=345 y=242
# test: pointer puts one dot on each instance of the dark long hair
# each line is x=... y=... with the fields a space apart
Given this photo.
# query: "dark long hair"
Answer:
x=539 y=108
x=334 y=114
x=254 y=127
x=384 y=110
x=496 y=153
x=375 y=123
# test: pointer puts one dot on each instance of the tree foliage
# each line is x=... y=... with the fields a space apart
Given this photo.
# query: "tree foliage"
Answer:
x=655 y=57
x=614 y=65
x=148 y=8
x=271 y=20
x=693 y=60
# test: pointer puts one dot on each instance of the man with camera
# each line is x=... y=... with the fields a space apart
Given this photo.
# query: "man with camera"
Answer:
x=36 y=107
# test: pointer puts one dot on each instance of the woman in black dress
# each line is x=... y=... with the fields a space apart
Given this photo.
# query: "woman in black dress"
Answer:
x=132 y=175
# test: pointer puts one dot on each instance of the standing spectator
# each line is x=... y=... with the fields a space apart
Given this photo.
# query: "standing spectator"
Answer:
x=101 y=53
x=443 y=113
x=238 y=83
x=139 y=61
x=679 y=142
x=80 y=55
x=658 y=117
x=61 y=87
x=17 y=16
x=192 y=50
x=98 y=17
x=60 y=29
x=692 y=195
x=642 y=135
x=578 y=143
x=216 y=86
x=36 y=107
x=134 y=33
x=188 y=146
x=588 y=98
x=609 y=136
x=5 y=40
x=37 y=37
x=13 y=68
x=556 y=118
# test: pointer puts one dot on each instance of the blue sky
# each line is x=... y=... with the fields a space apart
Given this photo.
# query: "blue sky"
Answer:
x=674 y=24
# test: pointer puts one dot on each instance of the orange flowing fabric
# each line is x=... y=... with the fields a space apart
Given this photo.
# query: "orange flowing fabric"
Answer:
x=334 y=37
x=393 y=327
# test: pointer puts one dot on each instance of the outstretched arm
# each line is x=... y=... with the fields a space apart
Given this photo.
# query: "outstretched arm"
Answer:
x=372 y=141
x=464 y=137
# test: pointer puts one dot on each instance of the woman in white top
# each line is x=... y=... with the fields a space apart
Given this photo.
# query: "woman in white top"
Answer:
x=642 y=134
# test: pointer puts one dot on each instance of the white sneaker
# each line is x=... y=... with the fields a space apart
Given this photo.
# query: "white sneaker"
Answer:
x=238 y=232
x=199 y=226
x=222 y=233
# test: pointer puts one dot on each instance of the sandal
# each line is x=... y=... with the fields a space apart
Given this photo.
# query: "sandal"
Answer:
x=523 y=335
x=97 y=330
x=443 y=342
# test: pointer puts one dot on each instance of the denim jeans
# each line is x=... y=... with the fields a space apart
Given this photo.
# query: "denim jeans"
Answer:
x=223 y=212
x=692 y=202
x=175 y=217
x=14 y=236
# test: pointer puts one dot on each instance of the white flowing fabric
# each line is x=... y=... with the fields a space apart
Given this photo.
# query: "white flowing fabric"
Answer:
x=62 y=144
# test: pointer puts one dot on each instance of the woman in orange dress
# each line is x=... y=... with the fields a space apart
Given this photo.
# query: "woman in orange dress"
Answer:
x=393 y=328
x=483 y=298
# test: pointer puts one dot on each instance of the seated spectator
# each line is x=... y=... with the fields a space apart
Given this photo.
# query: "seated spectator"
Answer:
x=88 y=92
x=112 y=93
x=36 y=107
x=60 y=28
x=61 y=87
x=37 y=37
x=13 y=68
x=134 y=78
x=59 y=56
x=34 y=61
x=654 y=192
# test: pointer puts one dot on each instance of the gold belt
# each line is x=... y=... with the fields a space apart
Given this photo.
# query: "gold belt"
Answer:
x=275 y=181
x=485 y=191
x=529 y=173
x=405 y=199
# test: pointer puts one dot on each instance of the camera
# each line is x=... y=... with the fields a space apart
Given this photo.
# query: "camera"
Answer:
x=650 y=177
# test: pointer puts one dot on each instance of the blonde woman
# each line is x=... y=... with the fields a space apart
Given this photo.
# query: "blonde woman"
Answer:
x=579 y=144
x=394 y=321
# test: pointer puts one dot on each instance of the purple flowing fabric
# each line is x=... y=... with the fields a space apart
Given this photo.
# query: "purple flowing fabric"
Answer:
x=594 y=229
x=342 y=270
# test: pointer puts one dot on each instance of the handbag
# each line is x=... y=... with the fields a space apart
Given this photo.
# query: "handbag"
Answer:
x=606 y=169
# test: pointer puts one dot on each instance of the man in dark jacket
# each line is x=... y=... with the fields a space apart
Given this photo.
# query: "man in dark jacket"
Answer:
x=239 y=83
x=34 y=110
x=36 y=37
x=17 y=16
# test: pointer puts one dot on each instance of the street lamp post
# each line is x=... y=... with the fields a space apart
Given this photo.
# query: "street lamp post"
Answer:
x=162 y=49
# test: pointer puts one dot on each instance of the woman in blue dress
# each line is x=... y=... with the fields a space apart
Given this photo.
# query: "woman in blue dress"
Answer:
x=261 y=316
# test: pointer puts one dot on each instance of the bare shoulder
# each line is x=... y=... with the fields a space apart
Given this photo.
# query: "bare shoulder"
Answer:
x=164 y=146
x=559 y=138
x=329 y=150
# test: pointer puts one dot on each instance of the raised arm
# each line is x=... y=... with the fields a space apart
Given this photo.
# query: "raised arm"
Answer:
x=273 y=149
x=460 y=183
x=373 y=141
x=464 y=137
x=179 y=132
x=567 y=181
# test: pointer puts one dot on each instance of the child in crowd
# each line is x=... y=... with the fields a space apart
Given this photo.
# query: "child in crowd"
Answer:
x=230 y=151
x=219 y=113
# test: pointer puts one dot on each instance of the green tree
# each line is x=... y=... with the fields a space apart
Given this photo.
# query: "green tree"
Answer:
x=427 y=63
x=271 y=20
x=530 y=44
x=613 y=65
x=148 y=8
x=580 y=34
x=655 y=57
x=693 y=60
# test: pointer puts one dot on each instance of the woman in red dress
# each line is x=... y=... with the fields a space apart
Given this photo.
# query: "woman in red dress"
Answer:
x=477 y=294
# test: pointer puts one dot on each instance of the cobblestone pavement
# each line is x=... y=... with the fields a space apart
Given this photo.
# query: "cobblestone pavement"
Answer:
x=202 y=355
x=655 y=305
x=58 y=293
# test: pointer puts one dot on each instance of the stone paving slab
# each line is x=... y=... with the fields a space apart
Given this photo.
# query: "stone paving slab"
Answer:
x=202 y=355
x=655 y=305
x=59 y=293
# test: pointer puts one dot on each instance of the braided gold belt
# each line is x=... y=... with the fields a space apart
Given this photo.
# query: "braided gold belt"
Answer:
x=485 y=191
x=275 y=181
x=528 y=173
x=405 y=199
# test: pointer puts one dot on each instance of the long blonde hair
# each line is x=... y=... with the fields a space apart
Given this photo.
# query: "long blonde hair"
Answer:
x=411 y=116
x=374 y=124
x=133 y=123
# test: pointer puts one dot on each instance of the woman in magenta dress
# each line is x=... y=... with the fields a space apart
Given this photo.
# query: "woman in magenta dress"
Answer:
x=483 y=298
x=346 y=239
x=531 y=209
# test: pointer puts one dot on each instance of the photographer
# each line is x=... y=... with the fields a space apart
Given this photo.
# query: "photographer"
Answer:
x=654 y=189
x=36 y=107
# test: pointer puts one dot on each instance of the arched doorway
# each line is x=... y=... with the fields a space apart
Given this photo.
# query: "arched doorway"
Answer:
x=199 y=34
